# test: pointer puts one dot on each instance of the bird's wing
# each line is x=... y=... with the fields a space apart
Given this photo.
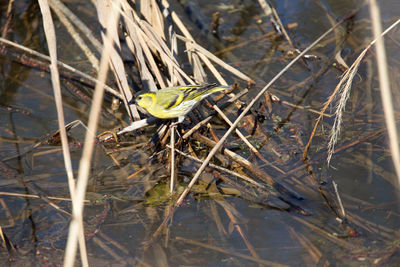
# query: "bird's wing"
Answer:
x=202 y=91
x=172 y=96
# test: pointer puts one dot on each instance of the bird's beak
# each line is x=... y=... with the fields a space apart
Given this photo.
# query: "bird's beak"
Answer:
x=132 y=101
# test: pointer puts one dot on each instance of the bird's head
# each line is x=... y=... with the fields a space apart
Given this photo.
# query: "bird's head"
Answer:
x=145 y=100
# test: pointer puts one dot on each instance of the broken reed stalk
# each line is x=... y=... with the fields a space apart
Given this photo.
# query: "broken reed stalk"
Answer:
x=55 y=79
x=84 y=164
x=244 y=112
x=385 y=86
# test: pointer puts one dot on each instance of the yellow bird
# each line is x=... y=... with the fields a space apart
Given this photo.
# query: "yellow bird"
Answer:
x=175 y=102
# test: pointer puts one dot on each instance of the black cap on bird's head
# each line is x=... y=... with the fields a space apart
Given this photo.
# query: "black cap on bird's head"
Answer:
x=135 y=96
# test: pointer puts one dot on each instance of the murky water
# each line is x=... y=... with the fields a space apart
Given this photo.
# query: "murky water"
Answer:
x=128 y=192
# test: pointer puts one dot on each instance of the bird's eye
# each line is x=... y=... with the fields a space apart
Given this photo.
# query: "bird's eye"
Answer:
x=139 y=98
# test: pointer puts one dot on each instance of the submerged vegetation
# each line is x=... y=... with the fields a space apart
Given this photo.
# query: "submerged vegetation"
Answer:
x=273 y=171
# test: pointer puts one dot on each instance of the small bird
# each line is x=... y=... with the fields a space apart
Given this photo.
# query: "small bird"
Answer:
x=175 y=102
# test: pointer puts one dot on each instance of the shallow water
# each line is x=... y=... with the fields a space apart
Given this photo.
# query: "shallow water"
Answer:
x=129 y=201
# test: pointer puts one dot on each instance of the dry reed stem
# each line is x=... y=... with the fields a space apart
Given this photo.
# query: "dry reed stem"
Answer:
x=261 y=93
x=339 y=32
x=84 y=166
x=61 y=64
x=265 y=7
x=8 y=215
x=55 y=78
x=151 y=12
x=135 y=125
x=385 y=86
x=174 y=52
x=306 y=108
x=165 y=54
